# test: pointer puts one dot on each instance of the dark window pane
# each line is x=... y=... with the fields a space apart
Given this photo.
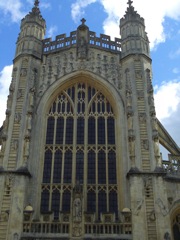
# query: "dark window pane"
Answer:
x=91 y=202
x=45 y=201
x=91 y=167
x=66 y=201
x=57 y=167
x=91 y=131
x=111 y=130
x=112 y=167
x=59 y=130
x=69 y=130
x=68 y=167
x=50 y=130
x=47 y=167
x=101 y=167
x=101 y=130
x=113 y=207
x=79 y=166
x=56 y=204
x=80 y=130
x=102 y=208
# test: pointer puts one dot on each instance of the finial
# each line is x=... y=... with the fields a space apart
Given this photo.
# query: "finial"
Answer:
x=83 y=21
x=36 y=3
x=129 y=3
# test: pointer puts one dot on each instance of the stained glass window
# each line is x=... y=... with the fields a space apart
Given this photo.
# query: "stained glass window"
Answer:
x=80 y=146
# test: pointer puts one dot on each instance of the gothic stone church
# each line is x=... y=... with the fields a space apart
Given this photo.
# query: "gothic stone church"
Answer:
x=79 y=154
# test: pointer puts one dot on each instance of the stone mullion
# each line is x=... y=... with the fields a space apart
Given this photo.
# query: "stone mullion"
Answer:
x=96 y=151
x=86 y=147
x=107 y=172
x=75 y=136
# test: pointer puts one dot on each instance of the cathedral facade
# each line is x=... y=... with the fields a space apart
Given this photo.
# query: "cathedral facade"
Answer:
x=79 y=155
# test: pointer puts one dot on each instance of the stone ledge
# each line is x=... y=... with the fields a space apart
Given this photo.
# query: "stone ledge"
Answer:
x=20 y=171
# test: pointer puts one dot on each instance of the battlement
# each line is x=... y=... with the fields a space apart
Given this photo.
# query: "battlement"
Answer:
x=62 y=42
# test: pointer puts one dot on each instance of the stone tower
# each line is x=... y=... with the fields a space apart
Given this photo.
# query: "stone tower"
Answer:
x=80 y=152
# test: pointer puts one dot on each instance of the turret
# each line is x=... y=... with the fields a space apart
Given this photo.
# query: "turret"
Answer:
x=33 y=28
x=133 y=35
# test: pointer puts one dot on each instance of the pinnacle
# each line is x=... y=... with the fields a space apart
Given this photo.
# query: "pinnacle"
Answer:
x=36 y=3
x=130 y=3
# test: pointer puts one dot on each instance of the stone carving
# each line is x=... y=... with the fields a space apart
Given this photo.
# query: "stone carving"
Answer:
x=156 y=147
x=11 y=87
x=151 y=100
x=23 y=72
x=131 y=139
x=17 y=118
x=4 y=216
x=152 y=216
x=162 y=207
x=149 y=82
x=167 y=236
x=130 y=119
x=42 y=89
x=33 y=79
x=77 y=210
x=154 y=122
x=138 y=74
x=128 y=80
x=139 y=206
x=31 y=99
x=142 y=118
x=15 y=144
x=19 y=93
x=16 y=236
x=82 y=48
x=62 y=64
x=26 y=148
x=77 y=188
x=147 y=182
x=77 y=230
x=140 y=95
x=28 y=122
x=146 y=144
x=9 y=104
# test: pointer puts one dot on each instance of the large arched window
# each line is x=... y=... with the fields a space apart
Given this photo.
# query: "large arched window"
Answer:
x=80 y=146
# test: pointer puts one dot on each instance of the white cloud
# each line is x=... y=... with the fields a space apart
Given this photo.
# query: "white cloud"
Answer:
x=167 y=102
x=5 y=79
x=77 y=8
x=12 y=8
x=52 y=31
x=167 y=99
x=153 y=11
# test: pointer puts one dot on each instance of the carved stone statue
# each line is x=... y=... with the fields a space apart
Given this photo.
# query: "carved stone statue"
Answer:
x=162 y=207
x=16 y=236
x=138 y=207
x=77 y=210
x=167 y=236
x=82 y=48
x=130 y=119
x=17 y=117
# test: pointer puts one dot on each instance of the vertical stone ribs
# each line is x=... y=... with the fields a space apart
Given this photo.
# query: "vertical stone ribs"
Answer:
x=13 y=155
x=142 y=114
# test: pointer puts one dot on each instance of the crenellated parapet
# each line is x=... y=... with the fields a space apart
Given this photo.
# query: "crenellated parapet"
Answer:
x=62 y=42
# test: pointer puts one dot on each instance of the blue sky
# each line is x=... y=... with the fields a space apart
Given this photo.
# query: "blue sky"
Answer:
x=162 y=20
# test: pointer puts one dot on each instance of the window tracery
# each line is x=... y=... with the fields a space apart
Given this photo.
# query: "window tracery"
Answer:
x=80 y=146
